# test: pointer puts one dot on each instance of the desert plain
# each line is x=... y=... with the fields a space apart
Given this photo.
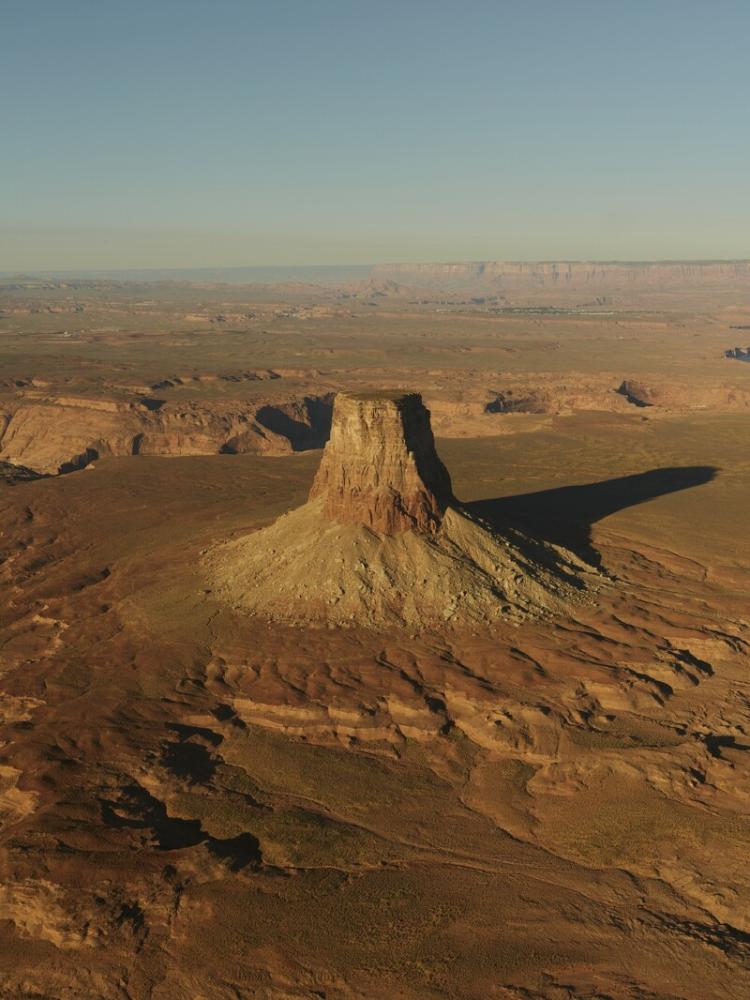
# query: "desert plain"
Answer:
x=202 y=800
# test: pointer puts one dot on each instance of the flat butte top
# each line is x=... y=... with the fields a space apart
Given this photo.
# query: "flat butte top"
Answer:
x=382 y=396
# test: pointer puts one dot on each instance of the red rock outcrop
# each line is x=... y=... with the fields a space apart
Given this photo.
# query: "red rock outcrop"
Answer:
x=380 y=467
x=383 y=542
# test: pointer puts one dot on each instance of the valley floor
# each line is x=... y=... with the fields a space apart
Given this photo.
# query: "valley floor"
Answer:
x=196 y=804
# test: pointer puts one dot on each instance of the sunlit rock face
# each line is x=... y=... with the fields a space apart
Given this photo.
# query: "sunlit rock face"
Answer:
x=382 y=542
x=380 y=467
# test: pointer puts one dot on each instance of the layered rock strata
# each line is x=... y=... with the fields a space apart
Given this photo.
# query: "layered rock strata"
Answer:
x=574 y=275
x=380 y=467
x=53 y=434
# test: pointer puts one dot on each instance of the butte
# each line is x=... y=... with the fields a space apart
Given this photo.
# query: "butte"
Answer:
x=382 y=541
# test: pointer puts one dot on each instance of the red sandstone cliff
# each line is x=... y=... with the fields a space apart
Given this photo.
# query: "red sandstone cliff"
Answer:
x=380 y=467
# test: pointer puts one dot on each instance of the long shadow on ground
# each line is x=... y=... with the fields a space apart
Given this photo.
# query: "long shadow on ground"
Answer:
x=565 y=515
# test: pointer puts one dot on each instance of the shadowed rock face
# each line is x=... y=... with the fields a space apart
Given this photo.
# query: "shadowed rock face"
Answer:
x=380 y=467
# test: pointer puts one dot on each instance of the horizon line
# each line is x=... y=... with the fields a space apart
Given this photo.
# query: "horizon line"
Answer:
x=49 y=271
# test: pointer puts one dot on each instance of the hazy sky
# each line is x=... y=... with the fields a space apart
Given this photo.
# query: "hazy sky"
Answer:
x=220 y=132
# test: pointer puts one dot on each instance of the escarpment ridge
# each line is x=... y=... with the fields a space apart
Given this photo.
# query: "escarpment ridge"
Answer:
x=52 y=422
x=52 y=434
x=575 y=275
x=383 y=541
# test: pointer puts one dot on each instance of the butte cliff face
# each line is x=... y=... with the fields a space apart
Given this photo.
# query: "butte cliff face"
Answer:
x=382 y=541
x=380 y=467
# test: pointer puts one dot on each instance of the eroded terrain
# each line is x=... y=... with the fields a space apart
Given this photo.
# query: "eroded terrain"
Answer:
x=195 y=803
x=90 y=369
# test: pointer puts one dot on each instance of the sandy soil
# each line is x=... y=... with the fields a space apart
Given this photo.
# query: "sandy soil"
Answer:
x=195 y=802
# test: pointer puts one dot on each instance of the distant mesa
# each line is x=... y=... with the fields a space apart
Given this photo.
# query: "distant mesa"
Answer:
x=590 y=277
x=383 y=541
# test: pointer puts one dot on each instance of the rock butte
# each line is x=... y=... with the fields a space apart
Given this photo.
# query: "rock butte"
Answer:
x=383 y=541
x=380 y=467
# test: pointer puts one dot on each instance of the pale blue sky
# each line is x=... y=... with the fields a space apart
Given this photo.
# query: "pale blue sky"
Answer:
x=178 y=133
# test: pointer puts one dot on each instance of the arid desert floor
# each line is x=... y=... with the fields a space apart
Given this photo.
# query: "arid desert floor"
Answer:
x=200 y=802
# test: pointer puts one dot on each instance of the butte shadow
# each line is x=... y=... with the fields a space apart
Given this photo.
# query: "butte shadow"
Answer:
x=564 y=516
